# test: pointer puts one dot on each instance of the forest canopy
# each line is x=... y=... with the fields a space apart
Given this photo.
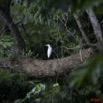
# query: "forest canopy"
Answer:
x=74 y=31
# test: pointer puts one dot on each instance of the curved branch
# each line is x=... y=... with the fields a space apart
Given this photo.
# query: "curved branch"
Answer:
x=42 y=68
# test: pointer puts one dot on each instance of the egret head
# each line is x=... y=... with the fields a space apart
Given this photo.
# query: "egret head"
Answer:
x=47 y=45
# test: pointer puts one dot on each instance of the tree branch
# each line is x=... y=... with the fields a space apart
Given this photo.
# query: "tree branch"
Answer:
x=42 y=68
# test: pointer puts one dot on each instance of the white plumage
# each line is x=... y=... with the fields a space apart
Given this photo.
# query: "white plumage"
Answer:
x=49 y=51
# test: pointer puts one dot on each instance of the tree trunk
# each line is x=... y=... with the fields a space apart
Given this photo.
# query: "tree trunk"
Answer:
x=76 y=17
x=96 y=27
x=7 y=19
x=42 y=68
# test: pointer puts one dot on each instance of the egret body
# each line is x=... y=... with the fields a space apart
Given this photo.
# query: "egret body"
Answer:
x=49 y=51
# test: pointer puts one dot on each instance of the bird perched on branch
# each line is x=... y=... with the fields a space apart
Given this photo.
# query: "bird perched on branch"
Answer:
x=49 y=51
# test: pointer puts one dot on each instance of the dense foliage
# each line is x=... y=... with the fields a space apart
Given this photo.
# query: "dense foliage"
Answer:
x=48 y=21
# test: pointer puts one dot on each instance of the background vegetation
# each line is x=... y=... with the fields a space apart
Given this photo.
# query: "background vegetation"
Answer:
x=48 y=21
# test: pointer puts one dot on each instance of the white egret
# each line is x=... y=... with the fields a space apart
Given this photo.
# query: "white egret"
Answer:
x=49 y=51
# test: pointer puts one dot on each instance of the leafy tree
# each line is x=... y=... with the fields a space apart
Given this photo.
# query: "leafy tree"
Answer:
x=69 y=26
